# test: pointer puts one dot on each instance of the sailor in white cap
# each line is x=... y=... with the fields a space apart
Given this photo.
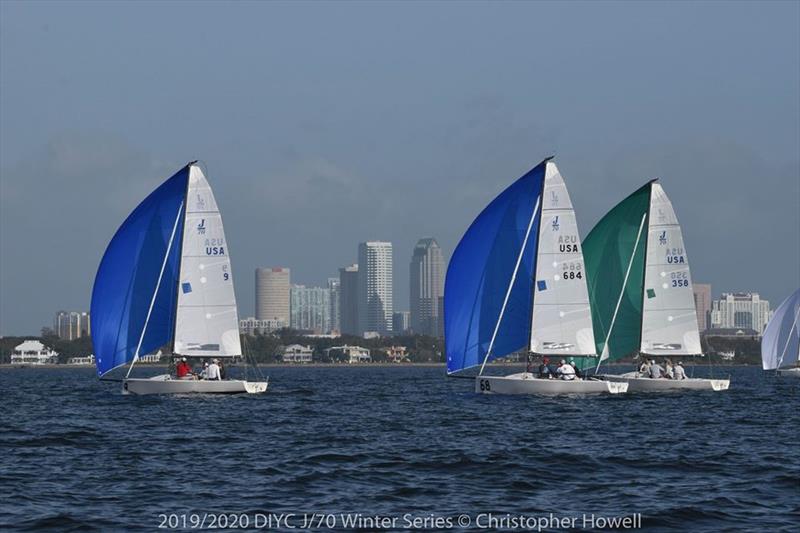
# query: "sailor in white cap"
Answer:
x=212 y=372
x=565 y=371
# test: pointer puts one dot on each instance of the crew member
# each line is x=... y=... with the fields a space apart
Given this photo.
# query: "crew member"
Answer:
x=678 y=371
x=544 y=369
x=212 y=372
x=566 y=371
x=183 y=370
x=655 y=370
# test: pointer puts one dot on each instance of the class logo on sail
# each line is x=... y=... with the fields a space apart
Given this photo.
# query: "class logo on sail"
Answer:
x=201 y=227
x=555 y=225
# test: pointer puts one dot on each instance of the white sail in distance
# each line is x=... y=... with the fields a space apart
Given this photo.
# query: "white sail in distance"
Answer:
x=669 y=318
x=207 y=322
x=561 y=321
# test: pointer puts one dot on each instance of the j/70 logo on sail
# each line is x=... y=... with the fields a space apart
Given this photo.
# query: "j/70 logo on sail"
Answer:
x=555 y=223
x=201 y=227
x=662 y=239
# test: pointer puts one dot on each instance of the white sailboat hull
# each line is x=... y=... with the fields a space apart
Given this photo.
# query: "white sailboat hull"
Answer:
x=789 y=372
x=637 y=383
x=527 y=383
x=164 y=384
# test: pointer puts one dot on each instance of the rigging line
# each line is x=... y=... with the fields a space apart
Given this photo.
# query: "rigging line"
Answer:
x=511 y=284
x=789 y=336
x=605 y=355
x=155 y=292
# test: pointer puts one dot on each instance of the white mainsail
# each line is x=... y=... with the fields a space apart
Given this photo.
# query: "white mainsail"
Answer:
x=561 y=319
x=669 y=319
x=207 y=323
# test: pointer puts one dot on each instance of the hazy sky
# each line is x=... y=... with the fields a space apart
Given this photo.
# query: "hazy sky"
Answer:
x=323 y=125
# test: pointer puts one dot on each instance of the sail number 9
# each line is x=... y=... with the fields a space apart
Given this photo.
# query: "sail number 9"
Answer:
x=485 y=385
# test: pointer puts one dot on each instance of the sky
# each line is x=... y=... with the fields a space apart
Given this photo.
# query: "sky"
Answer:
x=325 y=124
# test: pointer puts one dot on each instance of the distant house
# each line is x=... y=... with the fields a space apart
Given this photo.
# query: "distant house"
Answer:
x=86 y=360
x=33 y=353
x=351 y=354
x=297 y=353
x=396 y=354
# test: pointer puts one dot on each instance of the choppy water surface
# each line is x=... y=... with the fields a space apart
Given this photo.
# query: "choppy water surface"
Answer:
x=78 y=455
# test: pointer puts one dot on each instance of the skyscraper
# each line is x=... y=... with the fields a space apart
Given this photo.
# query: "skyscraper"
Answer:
x=375 y=305
x=426 y=286
x=400 y=322
x=702 y=304
x=71 y=325
x=333 y=288
x=272 y=294
x=310 y=308
x=348 y=300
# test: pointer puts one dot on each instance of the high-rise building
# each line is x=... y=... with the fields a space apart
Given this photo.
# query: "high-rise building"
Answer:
x=427 y=285
x=401 y=321
x=333 y=288
x=348 y=300
x=272 y=294
x=740 y=310
x=375 y=304
x=310 y=309
x=71 y=325
x=702 y=304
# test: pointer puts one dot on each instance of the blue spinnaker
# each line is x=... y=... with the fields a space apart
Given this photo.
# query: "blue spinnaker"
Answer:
x=481 y=270
x=780 y=345
x=129 y=274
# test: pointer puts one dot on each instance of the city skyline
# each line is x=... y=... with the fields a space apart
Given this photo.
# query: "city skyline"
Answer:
x=364 y=131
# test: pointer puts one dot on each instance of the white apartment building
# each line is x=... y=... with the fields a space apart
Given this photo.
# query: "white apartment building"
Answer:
x=375 y=299
x=272 y=294
x=740 y=310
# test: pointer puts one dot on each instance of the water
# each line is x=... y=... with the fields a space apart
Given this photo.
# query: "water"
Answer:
x=77 y=455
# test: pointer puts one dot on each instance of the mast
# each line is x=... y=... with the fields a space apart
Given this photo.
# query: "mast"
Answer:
x=644 y=265
x=180 y=259
x=536 y=259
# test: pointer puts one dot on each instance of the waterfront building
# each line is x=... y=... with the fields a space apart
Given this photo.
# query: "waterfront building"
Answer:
x=335 y=320
x=401 y=322
x=396 y=354
x=297 y=353
x=71 y=325
x=85 y=360
x=740 y=310
x=272 y=294
x=309 y=309
x=375 y=299
x=348 y=300
x=33 y=353
x=426 y=286
x=351 y=354
x=251 y=325
x=702 y=304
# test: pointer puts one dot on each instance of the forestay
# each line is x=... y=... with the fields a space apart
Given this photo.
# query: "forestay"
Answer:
x=207 y=321
x=780 y=345
x=134 y=297
x=491 y=270
x=669 y=319
x=561 y=317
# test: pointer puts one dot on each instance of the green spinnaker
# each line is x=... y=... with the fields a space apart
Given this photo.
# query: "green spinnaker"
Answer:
x=608 y=251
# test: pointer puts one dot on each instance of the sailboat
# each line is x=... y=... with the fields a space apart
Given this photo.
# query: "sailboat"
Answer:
x=516 y=282
x=780 y=345
x=640 y=288
x=165 y=280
